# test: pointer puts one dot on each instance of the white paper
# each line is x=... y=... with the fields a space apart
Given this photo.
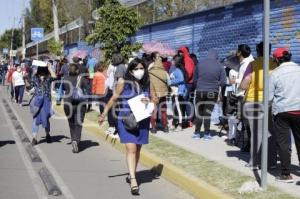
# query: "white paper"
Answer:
x=140 y=110
x=39 y=63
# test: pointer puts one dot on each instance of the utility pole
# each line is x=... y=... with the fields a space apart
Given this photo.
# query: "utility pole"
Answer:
x=23 y=33
x=55 y=20
x=12 y=39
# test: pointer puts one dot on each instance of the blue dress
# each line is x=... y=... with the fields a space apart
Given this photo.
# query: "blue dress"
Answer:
x=141 y=135
x=43 y=92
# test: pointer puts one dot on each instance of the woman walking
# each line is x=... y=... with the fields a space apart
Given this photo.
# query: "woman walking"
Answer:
x=41 y=106
x=18 y=84
x=74 y=110
x=135 y=82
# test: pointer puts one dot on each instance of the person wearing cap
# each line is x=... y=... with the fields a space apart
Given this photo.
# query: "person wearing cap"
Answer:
x=284 y=94
x=253 y=110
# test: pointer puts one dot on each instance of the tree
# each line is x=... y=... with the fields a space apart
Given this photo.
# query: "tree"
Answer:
x=117 y=24
x=54 y=47
x=5 y=39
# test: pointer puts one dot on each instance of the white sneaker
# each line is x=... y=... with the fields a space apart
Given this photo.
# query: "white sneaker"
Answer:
x=115 y=136
x=110 y=130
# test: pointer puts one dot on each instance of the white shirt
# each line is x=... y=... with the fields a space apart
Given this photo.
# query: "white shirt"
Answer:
x=243 y=66
x=17 y=78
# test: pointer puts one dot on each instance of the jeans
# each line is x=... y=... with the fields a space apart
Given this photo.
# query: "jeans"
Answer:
x=205 y=102
x=254 y=119
x=75 y=115
x=19 y=92
x=283 y=122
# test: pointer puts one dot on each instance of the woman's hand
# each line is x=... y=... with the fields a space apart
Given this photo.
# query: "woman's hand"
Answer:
x=145 y=100
x=101 y=119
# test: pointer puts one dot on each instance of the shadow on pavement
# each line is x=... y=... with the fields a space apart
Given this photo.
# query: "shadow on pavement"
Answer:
x=145 y=176
x=85 y=144
x=5 y=142
x=241 y=156
x=55 y=138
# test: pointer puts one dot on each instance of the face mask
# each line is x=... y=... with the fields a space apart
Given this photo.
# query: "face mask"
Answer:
x=139 y=74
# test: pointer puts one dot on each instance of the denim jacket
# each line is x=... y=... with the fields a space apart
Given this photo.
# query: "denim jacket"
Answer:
x=284 y=88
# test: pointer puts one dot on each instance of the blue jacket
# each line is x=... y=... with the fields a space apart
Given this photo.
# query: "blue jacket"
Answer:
x=177 y=79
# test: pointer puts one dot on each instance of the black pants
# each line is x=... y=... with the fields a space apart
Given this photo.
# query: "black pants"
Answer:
x=205 y=102
x=75 y=115
x=19 y=93
x=283 y=123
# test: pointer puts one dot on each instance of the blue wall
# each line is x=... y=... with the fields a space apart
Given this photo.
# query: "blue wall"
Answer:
x=225 y=28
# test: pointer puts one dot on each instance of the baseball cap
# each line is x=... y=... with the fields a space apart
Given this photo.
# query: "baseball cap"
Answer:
x=278 y=52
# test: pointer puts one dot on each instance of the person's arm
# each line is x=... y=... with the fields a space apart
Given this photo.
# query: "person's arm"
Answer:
x=94 y=84
x=113 y=100
x=195 y=77
x=245 y=84
x=222 y=77
x=52 y=73
x=272 y=86
x=178 y=78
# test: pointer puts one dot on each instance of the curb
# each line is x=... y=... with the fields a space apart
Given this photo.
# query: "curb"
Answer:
x=192 y=185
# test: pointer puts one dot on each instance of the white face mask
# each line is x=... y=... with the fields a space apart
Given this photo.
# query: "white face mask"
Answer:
x=139 y=74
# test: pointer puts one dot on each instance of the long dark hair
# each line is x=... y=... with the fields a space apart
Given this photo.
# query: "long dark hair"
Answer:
x=144 y=82
x=179 y=63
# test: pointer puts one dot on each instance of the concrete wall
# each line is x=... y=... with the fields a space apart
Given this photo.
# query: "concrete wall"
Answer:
x=225 y=28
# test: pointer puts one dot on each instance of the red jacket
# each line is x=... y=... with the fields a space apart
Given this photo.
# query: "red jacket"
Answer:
x=188 y=64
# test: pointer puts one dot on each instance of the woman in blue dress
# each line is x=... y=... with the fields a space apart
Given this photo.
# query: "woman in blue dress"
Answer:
x=134 y=83
x=41 y=105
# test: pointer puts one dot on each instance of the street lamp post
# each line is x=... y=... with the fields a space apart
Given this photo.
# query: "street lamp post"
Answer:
x=264 y=160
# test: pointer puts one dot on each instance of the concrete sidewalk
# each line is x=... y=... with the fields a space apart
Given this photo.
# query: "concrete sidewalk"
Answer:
x=217 y=150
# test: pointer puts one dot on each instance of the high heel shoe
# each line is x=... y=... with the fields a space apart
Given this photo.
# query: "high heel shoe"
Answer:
x=135 y=190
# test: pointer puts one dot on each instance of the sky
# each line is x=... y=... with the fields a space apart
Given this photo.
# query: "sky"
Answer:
x=8 y=10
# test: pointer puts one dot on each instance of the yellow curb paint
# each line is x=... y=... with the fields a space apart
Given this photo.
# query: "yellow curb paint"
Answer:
x=194 y=186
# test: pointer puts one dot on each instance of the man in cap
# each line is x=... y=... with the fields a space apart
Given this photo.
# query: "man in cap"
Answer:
x=285 y=98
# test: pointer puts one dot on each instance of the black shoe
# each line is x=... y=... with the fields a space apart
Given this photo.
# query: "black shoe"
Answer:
x=153 y=130
x=75 y=147
x=34 y=142
x=48 y=139
x=165 y=130
x=246 y=149
x=135 y=190
x=285 y=178
x=231 y=142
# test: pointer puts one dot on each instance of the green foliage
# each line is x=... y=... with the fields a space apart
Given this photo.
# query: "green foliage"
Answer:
x=55 y=48
x=114 y=28
x=5 y=39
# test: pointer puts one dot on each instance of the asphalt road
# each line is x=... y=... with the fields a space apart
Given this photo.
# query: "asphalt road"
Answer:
x=98 y=171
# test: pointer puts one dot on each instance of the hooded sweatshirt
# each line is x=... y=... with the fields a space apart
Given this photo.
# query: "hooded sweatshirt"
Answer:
x=210 y=74
x=189 y=65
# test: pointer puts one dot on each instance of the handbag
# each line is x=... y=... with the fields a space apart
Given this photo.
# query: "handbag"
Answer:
x=130 y=123
x=78 y=94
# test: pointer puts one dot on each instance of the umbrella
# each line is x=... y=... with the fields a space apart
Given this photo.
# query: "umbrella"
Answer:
x=163 y=48
x=80 y=53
